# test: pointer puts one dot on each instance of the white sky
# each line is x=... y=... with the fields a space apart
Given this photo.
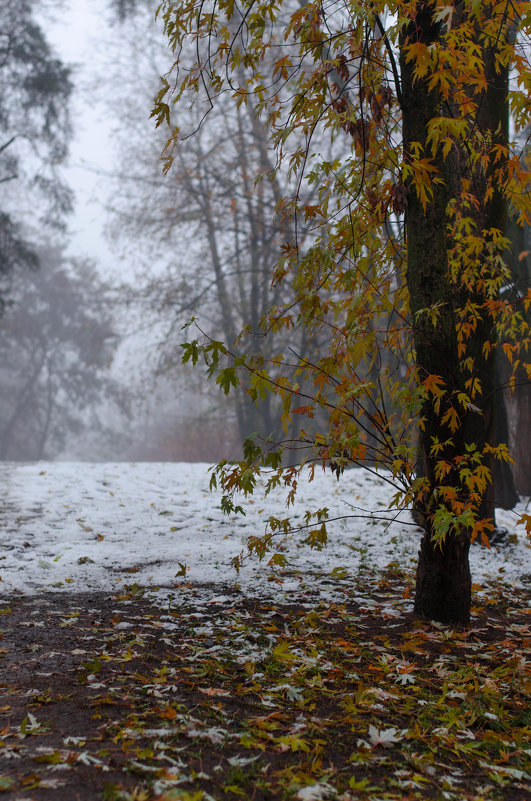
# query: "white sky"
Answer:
x=77 y=32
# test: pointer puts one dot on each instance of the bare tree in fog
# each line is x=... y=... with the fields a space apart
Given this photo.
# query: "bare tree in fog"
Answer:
x=208 y=235
x=34 y=130
x=56 y=344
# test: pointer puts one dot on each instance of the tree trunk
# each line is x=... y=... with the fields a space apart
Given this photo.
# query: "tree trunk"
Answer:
x=437 y=298
x=443 y=580
x=505 y=494
x=518 y=400
x=438 y=595
x=522 y=435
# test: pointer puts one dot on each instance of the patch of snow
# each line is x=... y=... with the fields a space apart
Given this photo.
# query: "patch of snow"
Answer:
x=75 y=527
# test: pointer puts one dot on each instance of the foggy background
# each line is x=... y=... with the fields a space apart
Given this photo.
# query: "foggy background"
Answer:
x=89 y=346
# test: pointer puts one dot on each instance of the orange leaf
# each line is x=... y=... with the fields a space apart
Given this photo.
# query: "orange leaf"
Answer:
x=167 y=714
x=452 y=419
x=303 y=410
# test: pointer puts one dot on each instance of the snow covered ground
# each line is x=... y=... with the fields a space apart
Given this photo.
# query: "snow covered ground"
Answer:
x=74 y=527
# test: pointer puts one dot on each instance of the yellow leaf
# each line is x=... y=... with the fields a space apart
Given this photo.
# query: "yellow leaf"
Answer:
x=451 y=419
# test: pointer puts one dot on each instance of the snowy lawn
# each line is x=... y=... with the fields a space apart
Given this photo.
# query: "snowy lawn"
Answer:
x=77 y=527
x=136 y=665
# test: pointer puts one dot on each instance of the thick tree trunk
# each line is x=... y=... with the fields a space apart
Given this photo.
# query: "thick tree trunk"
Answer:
x=443 y=590
x=522 y=435
x=444 y=584
x=438 y=295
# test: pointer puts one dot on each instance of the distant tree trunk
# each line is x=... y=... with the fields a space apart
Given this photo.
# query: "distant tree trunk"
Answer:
x=518 y=400
x=521 y=439
x=493 y=121
x=45 y=431
x=443 y=590
x=24 y=397
x=505 y=494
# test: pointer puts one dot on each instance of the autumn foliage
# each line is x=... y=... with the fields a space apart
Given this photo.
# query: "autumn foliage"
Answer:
x=406 y=119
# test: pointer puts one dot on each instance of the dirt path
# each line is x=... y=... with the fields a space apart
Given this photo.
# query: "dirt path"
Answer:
x=112 y=698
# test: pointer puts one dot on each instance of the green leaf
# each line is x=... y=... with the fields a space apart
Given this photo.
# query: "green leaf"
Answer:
x=278 y=559
x=227 y=378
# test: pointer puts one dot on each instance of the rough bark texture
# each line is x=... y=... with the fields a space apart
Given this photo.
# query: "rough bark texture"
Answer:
x=493 y=123
x=443 y=574
x=443 y=589
x=522 y=435
x=505 y=494
x=443 y=580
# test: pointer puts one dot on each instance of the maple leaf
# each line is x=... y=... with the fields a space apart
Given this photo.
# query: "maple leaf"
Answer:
x=451 y=418
x=315 y=792
x=293 y=743
x=385 y=737
x=215 y=734
x=526 y=520
x=444 y=14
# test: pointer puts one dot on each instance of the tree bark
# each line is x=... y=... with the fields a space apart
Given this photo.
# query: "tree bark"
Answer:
x=522 y=437
x=443 y=590
x=505 y=494
x=444 y=583
x=518 y=400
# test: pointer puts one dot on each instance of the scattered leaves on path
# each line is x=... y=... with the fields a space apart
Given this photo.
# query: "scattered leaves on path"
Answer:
x=115 y=698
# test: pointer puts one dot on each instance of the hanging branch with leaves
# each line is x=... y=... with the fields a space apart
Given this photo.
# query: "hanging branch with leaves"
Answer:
x=406 y=259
